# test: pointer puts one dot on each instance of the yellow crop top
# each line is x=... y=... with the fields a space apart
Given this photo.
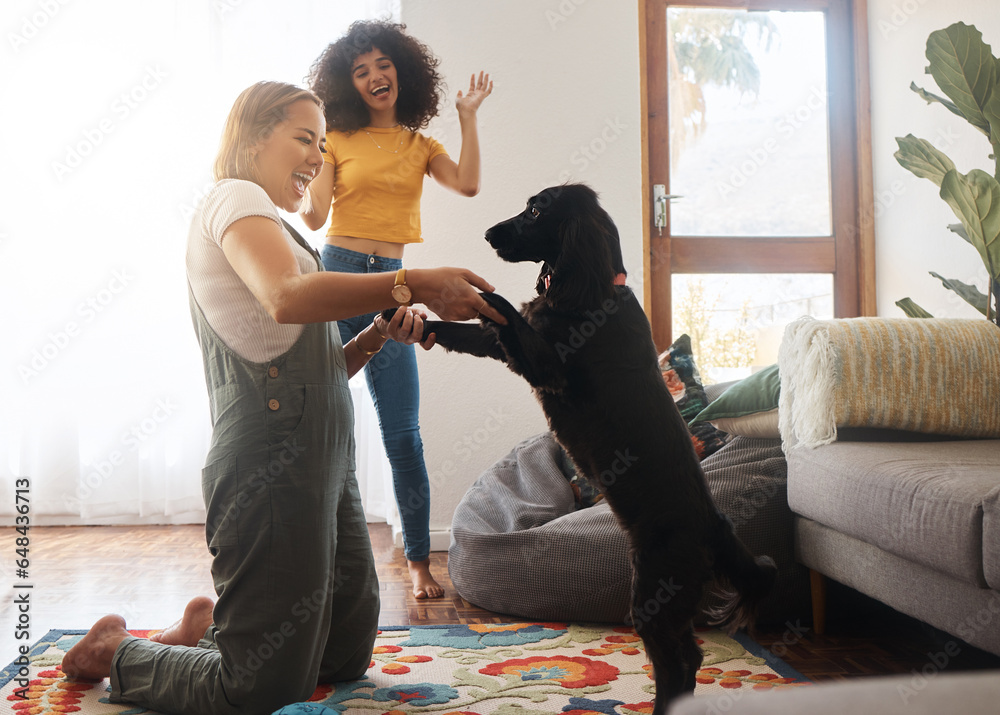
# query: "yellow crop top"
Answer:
x=378 y=180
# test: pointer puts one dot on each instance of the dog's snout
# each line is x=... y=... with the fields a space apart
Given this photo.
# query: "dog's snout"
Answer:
x=497 y=235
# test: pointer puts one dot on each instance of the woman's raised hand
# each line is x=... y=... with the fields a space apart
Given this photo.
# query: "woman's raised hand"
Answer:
x=478 y=91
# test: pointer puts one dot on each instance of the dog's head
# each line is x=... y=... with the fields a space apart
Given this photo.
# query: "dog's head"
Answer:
x=564 y=228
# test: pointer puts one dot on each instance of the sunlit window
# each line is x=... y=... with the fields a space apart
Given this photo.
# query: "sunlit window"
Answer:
x=756 y=168
x=749 y=149
x=113 y=118
x=736 y=321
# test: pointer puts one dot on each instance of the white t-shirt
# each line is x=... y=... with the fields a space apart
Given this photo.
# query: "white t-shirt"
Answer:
x=232 y=311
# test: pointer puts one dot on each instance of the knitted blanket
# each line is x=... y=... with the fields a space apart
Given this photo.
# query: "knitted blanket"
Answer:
x=935 y=376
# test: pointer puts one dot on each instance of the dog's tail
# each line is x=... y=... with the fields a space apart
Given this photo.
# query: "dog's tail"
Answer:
x=746 y=580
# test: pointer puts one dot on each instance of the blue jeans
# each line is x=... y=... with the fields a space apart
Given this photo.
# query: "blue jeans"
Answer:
x=393 y=383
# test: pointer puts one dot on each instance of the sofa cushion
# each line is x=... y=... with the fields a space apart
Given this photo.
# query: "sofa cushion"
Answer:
x=991 y=535
x=921 y=501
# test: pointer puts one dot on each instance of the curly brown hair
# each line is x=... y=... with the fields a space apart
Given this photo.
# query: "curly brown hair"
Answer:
x=421 y=87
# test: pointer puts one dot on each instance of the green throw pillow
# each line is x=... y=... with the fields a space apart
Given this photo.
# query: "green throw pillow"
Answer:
x=749 y=408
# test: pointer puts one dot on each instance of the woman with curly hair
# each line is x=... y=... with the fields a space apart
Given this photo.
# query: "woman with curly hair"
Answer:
x=380 y=87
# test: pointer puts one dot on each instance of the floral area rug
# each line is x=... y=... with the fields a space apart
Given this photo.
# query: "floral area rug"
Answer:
x=500 y=669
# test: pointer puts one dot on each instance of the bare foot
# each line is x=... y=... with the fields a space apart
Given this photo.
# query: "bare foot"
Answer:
x=424 y=585
x=191 y=627
x=91 y=657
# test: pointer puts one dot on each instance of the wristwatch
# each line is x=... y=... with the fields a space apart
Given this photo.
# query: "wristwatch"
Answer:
x=401 y=292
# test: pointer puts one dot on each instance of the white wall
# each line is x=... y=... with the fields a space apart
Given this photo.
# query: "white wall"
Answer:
x=911 y=219
x=565 y=106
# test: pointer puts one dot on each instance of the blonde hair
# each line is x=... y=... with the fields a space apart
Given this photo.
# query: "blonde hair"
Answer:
x=255 y=113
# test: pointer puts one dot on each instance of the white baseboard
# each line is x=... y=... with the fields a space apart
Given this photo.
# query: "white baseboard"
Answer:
x=440 y=540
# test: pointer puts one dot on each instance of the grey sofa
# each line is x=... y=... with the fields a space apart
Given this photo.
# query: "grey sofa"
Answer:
x=889 y=427
x=914 y=524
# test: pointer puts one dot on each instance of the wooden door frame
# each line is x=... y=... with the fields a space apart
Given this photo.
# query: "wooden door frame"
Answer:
x=852 y=247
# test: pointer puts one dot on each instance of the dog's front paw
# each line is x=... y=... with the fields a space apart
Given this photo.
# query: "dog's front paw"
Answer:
x=437 y=328
x=502 y=306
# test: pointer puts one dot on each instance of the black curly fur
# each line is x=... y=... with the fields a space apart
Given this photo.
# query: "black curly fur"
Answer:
x=584 y=345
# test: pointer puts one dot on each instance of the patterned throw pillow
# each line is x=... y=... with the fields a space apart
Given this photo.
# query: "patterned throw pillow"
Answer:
x=584 y=491
x=681 y=376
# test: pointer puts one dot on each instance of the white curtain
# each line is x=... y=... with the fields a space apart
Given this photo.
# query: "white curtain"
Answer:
x=112 y=115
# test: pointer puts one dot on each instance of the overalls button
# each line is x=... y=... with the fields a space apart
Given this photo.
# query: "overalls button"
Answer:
x=273 y=404
x=272 y=371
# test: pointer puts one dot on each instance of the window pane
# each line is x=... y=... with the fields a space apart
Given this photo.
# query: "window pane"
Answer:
x=748 y=123
x=736 y=321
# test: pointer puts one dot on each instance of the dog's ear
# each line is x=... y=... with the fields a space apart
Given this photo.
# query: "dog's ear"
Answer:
x=589 y=259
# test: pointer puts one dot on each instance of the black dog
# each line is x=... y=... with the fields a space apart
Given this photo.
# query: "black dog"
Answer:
x=585 y=346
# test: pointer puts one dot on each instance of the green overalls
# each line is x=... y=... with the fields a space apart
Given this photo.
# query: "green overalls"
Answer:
x=293 y=568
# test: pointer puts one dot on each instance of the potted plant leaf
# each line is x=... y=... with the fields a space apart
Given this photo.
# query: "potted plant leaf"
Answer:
x=967 y=73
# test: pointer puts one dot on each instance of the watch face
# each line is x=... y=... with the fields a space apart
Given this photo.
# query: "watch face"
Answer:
x=401 y=294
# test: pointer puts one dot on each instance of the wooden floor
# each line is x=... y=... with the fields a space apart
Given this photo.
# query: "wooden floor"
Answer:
x=148 y=573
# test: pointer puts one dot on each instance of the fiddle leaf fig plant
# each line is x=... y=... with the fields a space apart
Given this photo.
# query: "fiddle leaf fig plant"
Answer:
x=967 y=73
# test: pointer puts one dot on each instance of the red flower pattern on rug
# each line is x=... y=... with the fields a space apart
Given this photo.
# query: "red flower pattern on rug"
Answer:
x=571 y=672
x=564 y=669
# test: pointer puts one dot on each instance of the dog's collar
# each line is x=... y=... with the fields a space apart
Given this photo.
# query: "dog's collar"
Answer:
x=618 y=281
